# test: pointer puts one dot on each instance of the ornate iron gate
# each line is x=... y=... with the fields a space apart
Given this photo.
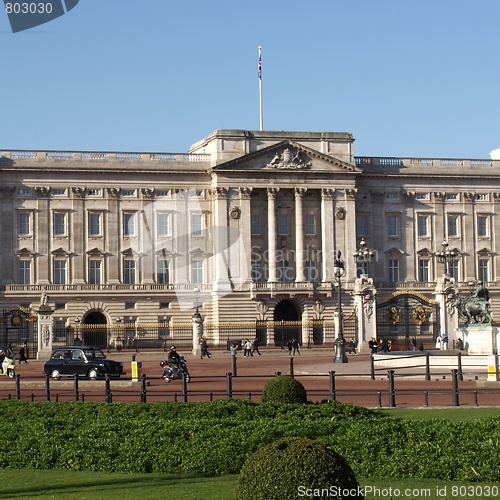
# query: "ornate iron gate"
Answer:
x=407 y=315
x=19 y=328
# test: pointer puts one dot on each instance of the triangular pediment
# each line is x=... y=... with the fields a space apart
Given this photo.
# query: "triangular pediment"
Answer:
x=287 y=156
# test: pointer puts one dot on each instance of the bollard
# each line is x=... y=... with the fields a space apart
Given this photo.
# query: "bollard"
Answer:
x=291 y=367
x=427 y=366
x=184 y=388
x=47 y=387
x=372 y=368
x=454 y=378
x=426 y=399
x=143 y=390
x=211 y=396
x=476 y=402
x=109 y=398
x=459 y=364
x=333 y=392
x=235 y=369
x=18 y=386
x=379 y=399
x=229 y=377
x=392 y=393
x=75 y=387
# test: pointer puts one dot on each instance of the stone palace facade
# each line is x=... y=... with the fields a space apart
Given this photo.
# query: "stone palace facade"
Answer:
x=245 y=227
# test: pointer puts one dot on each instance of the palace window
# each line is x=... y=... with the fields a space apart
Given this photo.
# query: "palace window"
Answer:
x=196 y=225
x=163 y=272
x=95 y=272
x=59 y=221
x=393 y=226
x=284 y=271
x=361 y=225
x=95 y=224
x=163 y=224
x=256 y=224
x=283 y=224
x=59 y=272
x=393 y=270
x=310 y=225
x=24 y=224
x=483 y=226
x=129 y=224
x=24 y=272
x=453 y=270
x=197 y=272
x=129 y=272
x=312 y=272
x=484 y=270
x=423 y=270
x=453 y=226
x=257 y=273
x=423 y=226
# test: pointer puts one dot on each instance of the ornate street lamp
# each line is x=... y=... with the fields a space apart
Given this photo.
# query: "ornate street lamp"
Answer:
x=339 y=271
x=446 y=256
x=363 y=255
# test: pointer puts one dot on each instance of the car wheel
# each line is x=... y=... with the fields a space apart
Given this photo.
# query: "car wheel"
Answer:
x=93 y=374
x=188 y=378
x=55 y=374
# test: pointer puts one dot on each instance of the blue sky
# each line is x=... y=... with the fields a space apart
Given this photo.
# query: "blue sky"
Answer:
x=407 y=78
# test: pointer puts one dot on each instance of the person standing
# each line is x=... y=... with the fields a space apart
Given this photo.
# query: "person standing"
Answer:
x=414 y=343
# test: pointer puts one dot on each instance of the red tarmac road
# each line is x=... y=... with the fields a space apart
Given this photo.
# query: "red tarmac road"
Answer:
x=353 y=383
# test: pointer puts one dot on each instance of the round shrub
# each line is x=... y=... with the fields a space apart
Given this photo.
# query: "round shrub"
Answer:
x=296 y=467
x=284 y=390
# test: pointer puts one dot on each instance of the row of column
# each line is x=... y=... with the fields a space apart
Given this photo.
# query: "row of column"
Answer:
x=335 y=233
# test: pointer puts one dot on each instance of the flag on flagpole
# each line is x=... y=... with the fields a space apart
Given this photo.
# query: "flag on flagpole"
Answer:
x=260 y=63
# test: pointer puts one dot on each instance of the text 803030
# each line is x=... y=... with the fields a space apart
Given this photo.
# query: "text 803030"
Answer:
x=28 y=8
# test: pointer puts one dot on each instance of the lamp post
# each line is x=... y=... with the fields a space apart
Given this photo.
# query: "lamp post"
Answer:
x=339 y=271
x=446 y=256
x=363 y=255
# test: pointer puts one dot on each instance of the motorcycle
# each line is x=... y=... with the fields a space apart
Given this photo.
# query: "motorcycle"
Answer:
x=8 y=367
x=171 y=373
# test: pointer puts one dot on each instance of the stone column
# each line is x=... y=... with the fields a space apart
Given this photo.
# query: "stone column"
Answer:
x=327 y=233
x=78 y=232
x=245 y=235
x=366 y=309
x=448 y=315
x=43 y=237
x=112 y=235
x=220 y=235
x=45 y=328
x=299 y=235
x=197 y=321
x=271 y=232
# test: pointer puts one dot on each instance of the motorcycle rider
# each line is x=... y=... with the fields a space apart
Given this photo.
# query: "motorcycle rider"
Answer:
x=174 y=360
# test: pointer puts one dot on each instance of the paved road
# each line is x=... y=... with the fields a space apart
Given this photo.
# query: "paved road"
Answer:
x=352 y=383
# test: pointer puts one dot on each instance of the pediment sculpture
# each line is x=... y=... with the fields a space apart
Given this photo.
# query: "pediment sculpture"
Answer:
x=289 y=161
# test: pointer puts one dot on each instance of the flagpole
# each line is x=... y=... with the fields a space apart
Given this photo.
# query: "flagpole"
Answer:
x=260 y=89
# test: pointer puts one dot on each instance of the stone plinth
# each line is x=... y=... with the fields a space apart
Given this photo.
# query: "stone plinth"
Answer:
x=480 y=338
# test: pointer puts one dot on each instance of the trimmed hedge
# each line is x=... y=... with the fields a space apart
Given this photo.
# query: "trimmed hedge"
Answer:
x=217 y=438
x=284 y=389
x=280 y=469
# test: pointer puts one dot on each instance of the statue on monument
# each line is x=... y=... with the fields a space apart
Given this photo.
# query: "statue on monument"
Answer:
x=44 y=298
x=475 y=308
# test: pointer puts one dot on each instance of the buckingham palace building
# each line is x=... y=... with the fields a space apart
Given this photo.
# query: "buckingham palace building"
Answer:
x=247 y=229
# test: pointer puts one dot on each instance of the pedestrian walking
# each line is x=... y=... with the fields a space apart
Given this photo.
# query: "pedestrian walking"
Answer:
x=295 y=345
x=255 y=346
x=22 y=356
x=204 y=349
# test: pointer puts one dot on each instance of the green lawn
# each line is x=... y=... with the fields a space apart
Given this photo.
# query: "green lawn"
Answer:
x=80 y=485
